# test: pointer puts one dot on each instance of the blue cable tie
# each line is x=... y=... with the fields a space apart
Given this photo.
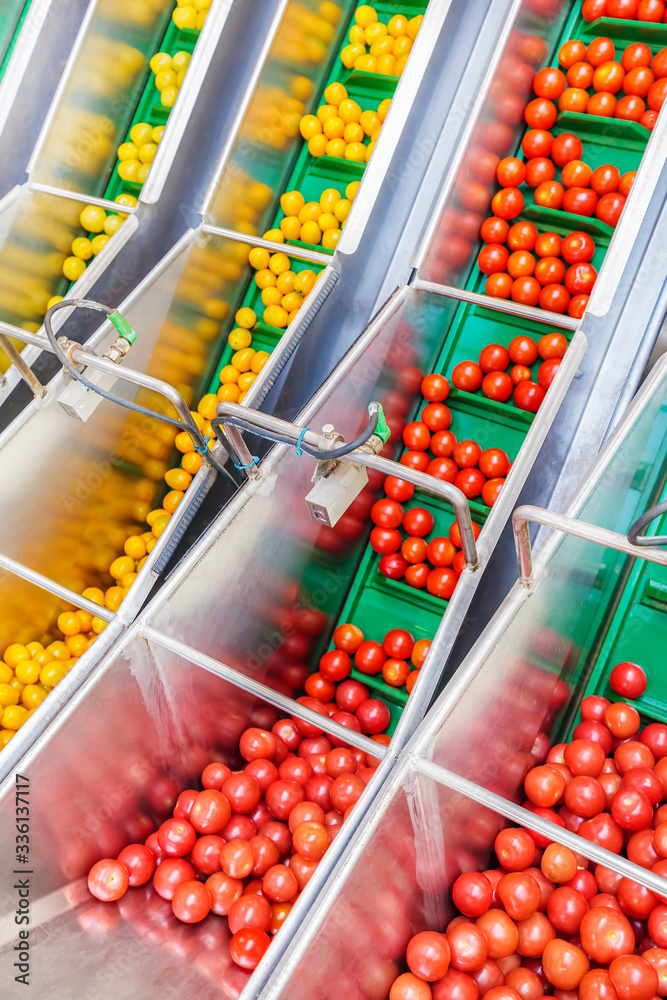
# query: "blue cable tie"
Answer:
x=299 y=440
x=255 y=461
x=202 y=451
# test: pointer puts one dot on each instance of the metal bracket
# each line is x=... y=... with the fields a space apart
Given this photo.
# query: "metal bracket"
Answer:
x=570 y=526
x=233 y=416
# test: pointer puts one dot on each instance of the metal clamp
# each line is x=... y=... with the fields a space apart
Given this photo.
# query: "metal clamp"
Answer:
x=643 y=522
x=571 y=526
x=258 y=422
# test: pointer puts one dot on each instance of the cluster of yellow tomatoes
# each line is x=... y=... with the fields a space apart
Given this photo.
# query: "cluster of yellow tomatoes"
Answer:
x=340 y=127
x=283 y=290
x=244 y=367
x=190 y=14
x=316 y=221
x=169 y=75
x=100 y=226
x=375 y=47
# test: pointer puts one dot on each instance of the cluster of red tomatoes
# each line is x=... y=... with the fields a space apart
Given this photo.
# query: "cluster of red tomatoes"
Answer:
x=436 y=564
x=462 y=463
x=526 y=266
x=544 y=922
x=640 y=75
x=627 y=10
x=580 y=191
x=245 y=844
x=491 y=375
x=389 y=657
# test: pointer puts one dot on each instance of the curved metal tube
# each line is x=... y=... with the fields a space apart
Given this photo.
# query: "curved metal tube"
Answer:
x=643 y=522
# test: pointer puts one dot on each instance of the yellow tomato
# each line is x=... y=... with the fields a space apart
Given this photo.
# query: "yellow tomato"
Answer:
x=275 y=316
x=317 y=145
x=291 y=227
x=291 y=203
x=365 y=15
x=271 y=296
x=242 y=359
x=174 y=497
x=68 y=623
x=285 y=282
x=8 y=695
x=135 y=546
x=311 y=233
x=258 y=258
x=246 y=318
x=279 y=262
x=335 y=93
x=309 y=126
x=13 y=654
x=28 y=671
x=229 y=393
x=330 y=238
x=13 y=717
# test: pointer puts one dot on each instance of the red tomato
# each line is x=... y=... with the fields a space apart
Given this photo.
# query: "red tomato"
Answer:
x=494 y=462
x=494 y=230
x=549 y=194
x=139 y=862
x=626 y=9
x=456 y=537
x=441 y=552
x=171 y=873
x=580 y=201
x=467 y=454
x=638 y=81
x=540 y=113
x=580 y=279
x=648 y=119
x=577 y=248
x=593 y=9
x=498 y=386
x=566 y=147
x=659 y=64
x=580 y=76
x=528 y=396
x=469 y=947
x=539 y=170
x=443 y=444
x=564 y=964
x=498 y=285
x=522 y=350
x=515 y=849
x=520 y=264
x=398 y=489
x=507 y=203
x=191 y=902
x=549 y=82
x=547 y=372
x=224 y=891
x=636 y=55
x=632 y=976
x=548 y=245
x=605 y=179
x=576 y=173
x=522 y=236
x=428 y=955
x=555 y=298
x=436 y=416
x=213 y=776
x=416 y=436
x=491 y=490
x=651 y=10
x=623 y=720
x=176 y=837
x=537 y=142
x=108 y=880
x=602 y=104
x=418 y=521
x=398 y=643
x=631 y=809
x=467 y=376
x=492 y=258
x=600 y=50
x=387 y=514
x=443 y=468
x=608 y=77
x=369 y=657
x=550 y=271
x=416 y=576
x=609 y=208
x=630 y=109
x=336 y=664
x=573 y=99
x=385 y=540
x=409 y=987
x=435 y=388
x=519 y=373
x=418 y=460
x=470 y=482
x=571 y=52
x=494 y=358
x=628 y=680
x=248 y=946
x=441 y=582
x=526 y=290
x=511 y=172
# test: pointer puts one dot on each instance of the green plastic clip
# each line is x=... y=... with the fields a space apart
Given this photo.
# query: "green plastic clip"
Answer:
x=382 y=429
x=123 y=327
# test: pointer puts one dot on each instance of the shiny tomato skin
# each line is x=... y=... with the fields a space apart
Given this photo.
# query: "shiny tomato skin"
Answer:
x=468 y=945
x=580 y=201
x=416 y=436
x=510 y=172
x=526 y=290
x=498 y=285
x=385 y=540
x=435 y=388
x=633 y=977
x=528 y=396
x=564 y=964
x=576 y=173
x=443 y=444
x=536 y=142
x=577 y=306
x=603 y=830
x=417 y=460
x=171 y=873
x=580 y=279
x=609 y=208
x=441 y=582
x=580 y=75
x=498 y=385
x=522 y=350
x=549 y=194
x=550 y=270
x=108 y=880
x=577 y=248
x=191 y=902
x=436 y=416
x=605 y=179
x=418 y=521
x=548 y=245
x=467 y=376
x=600 y=50
x=428 y=955
x=520 y=264
x=444 y=468
x=387 y=514
x=248 y=946
x=492 y=258
x=628 y=680
x=398 y=489
x=493 y=462
x=539 y=170
x=522 y=236
x=547 y=372
x=441 y=552
x=139 y=861
x=472 y=894
x=494 y=230
x=554 y=298
x=540 y=113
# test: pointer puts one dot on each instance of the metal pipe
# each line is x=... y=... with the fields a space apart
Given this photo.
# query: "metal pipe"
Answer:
x=80 y=356
x=85 y=199
x=257 y=421
x=544 y=827
x=500 y=305
x=32 y=576
x=24 y=336
x=300 y=253
x=262 y=691
x=24 y=369
x=571 y=526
